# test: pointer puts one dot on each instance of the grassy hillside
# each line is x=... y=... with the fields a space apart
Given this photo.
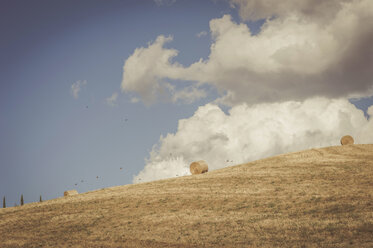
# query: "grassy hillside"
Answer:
x=314 y=198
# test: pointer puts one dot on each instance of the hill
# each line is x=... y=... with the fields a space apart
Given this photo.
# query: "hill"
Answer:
x=314 y=198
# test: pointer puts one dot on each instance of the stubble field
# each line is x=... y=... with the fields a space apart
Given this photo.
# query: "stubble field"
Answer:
x=314 y=198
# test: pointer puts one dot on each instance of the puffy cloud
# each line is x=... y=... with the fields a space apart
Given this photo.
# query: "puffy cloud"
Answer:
x=248 y=133
x=290 y=59
x=76 y=87
x=144 y=69
x=147 y=71
x=295 y=56
x=112 y=100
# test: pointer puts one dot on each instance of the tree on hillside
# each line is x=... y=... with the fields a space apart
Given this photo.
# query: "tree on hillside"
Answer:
x=4 y=204
x=22 y=200
x=40 y=200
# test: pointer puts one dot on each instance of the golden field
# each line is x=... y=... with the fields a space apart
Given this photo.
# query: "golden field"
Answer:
x=314 y=198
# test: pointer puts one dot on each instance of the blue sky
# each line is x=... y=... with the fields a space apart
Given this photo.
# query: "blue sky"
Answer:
x=50 y=140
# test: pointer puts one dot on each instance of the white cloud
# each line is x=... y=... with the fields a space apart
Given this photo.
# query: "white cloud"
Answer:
x=148 y=70
x=293 y=57
x=144 y=68
x=202 y=33
x=112 y=100
x=252 y=132
x=164 y=2
x=76 y=87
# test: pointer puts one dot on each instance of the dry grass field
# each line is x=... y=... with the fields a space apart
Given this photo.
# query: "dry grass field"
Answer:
x=314 y=198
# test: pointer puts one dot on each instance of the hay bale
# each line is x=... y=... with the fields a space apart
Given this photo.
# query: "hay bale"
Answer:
x=70 y=192
x=347 y=140
x=199 y=167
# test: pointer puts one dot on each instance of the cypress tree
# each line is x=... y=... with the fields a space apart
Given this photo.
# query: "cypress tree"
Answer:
x=40 y=200
x=22 y=200
x=4 y=204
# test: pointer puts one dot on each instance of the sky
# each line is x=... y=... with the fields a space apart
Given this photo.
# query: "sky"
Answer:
x=95 y=93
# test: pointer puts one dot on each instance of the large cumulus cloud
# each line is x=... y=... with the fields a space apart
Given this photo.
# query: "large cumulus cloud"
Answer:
x=248 y=133
x=293 y=57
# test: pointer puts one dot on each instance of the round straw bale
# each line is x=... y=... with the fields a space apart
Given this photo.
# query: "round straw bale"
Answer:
x=199 y=167
x=70 y=192
x=347 y=140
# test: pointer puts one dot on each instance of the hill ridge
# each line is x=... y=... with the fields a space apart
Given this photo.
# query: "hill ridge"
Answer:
x=312 y=198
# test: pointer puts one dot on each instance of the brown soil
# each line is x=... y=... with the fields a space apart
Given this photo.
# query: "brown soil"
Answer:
x=315 y=198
